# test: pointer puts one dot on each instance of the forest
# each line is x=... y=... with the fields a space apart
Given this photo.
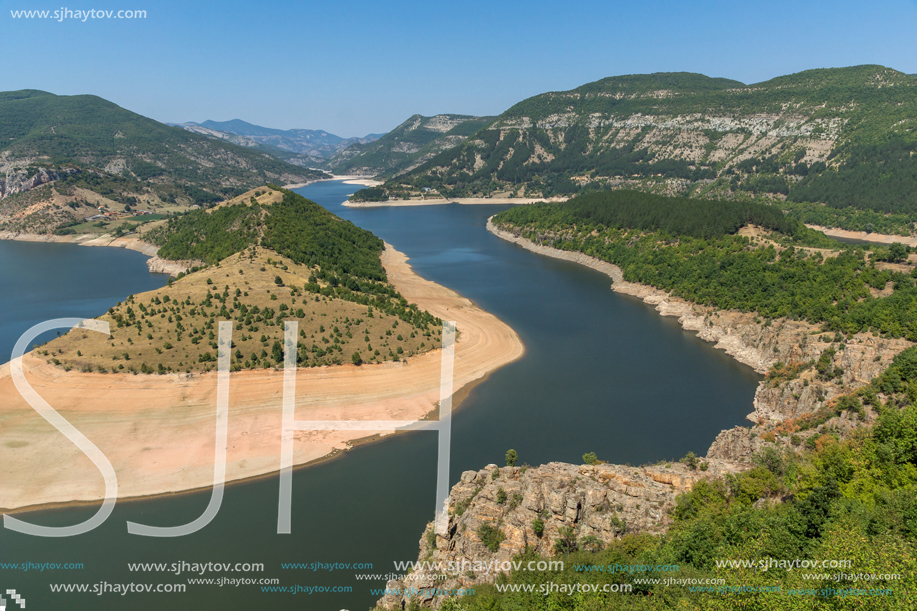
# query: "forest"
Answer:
x=697 y=257
x=645 y=211
x=294 y=227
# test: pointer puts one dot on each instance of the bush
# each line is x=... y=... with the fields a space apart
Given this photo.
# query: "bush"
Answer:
x=491 y=537
x=690 y=460
x=566 y=544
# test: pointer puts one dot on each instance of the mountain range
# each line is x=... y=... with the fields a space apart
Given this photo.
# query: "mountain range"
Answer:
x=842 y=137
x=63 y=158
x=310 y=147
x=413 y=142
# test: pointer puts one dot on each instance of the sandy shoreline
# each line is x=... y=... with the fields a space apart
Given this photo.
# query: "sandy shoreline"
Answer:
x=875 y=238
x=347 y=178
x=465 y=201
x=158 y=431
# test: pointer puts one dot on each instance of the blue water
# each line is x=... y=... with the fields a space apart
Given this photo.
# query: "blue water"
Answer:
x=41 y=281
x=602 y=372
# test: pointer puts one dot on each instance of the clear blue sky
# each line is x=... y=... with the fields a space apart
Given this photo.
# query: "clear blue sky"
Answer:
x=354 y=66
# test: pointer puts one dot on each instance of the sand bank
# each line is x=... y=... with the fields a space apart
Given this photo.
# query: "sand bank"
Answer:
x=467 y=201
x=158 y=431
x=875 y=238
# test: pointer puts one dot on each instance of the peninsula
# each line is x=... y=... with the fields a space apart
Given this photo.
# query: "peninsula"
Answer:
x=368 y=349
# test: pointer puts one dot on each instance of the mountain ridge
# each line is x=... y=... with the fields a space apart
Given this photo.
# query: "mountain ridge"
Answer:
x=843 y=137
x=65 y=159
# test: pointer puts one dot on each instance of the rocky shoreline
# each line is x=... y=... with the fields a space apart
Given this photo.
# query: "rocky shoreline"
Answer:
x=155 y=264
x=601 y=502
x=756 y=342
x=598 y=502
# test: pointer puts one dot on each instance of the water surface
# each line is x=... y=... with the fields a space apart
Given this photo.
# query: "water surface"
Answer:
x=602 y=373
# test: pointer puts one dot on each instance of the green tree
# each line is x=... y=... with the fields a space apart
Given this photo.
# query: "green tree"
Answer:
x=511 y=458
x=897 y=252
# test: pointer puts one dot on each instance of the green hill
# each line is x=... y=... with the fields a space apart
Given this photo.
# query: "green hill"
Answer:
x=98 y=154
x=842 y=137
x=407 y=146
x=274 y=258
x=694 y=249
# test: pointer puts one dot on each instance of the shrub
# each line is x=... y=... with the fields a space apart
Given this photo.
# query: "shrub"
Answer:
x=690 y=460
x=491 y=537
x=566 y=544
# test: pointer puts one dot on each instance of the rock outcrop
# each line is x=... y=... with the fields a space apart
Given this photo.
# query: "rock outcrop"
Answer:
x=19 y=179
x=599 y=503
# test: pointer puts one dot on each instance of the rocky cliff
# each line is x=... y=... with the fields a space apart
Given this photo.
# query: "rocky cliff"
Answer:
x=809 y=137
x=533 y=507
x=18 y=179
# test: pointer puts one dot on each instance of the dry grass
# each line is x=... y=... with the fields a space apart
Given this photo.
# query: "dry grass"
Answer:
x=174 y=329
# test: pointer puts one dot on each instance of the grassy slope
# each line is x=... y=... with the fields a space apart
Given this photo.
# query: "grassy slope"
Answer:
x=174 y=329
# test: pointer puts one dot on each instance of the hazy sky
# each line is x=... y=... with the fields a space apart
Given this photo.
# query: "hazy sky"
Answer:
x=353 y=67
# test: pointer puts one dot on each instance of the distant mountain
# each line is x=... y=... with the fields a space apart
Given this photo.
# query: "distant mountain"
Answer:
x=844 y=137
x=88 y=153
x=300 y=146
x=407 y=146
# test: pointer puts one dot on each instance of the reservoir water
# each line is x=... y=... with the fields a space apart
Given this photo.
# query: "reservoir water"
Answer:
x=602 y=373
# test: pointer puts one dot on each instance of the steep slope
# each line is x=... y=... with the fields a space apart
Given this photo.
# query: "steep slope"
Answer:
x=99 y=155
x=407 y=146
x=844 y=137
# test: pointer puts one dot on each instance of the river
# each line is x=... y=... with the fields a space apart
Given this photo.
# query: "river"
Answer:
x=602 y=373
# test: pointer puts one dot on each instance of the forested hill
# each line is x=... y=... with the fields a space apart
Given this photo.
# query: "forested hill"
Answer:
x=694 y=249
x=841 y=136
x=407 y=146
x=270 y=256
x=293 y=227
x=101 y=155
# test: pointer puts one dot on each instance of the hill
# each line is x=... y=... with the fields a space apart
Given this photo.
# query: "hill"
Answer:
x=271 y=258
x=732 y=255
x=842 y=137
x=307 y=147
x=67 y=158
x=407 y=146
